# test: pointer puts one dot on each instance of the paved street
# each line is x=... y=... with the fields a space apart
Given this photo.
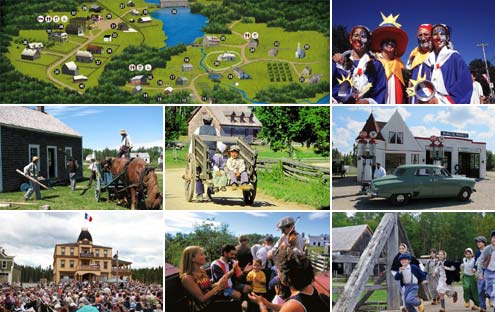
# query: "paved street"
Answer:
x=344 y=197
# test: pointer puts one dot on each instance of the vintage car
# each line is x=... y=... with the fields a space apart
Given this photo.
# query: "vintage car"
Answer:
x=421 y=181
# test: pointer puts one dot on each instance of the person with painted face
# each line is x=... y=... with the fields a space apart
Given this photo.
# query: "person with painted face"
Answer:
x=419 y=55
x=389 y=43
x=449 y=72
x=357 y=76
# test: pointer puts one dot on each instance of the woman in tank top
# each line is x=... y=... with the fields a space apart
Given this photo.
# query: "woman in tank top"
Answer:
x=195 y=280
x=295 y=271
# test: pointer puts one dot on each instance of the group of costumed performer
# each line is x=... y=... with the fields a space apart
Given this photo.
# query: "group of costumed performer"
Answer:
x=372 y=72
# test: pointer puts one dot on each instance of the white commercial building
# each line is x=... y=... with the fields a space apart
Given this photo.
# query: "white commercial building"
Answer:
x=396 y=145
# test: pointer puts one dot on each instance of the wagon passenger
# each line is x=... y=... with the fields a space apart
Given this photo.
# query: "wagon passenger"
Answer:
x=218 y=162
x=237 y=169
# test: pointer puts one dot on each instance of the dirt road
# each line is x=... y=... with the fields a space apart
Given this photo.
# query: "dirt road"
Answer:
x=229 y=200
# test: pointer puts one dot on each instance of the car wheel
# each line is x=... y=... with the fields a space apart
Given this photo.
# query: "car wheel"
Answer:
x=464 y=194
x=399 y=199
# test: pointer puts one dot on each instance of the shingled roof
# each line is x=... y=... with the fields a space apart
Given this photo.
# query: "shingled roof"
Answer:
x=31 y=119
x=224 y=114
x=344 y=238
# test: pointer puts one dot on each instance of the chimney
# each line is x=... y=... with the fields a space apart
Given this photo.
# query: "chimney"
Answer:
x=40 y=109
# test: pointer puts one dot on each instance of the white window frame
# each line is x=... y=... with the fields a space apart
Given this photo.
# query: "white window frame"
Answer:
x=55 y=161
x=67 y=151
x=4 y=264
x=35 y=146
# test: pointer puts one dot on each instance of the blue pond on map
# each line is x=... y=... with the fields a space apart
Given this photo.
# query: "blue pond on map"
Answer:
x=182 y=27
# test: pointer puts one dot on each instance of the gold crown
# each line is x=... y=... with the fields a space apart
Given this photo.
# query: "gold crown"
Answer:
x=390 y=20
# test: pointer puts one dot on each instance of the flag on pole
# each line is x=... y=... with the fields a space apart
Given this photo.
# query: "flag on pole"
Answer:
x=88 y=217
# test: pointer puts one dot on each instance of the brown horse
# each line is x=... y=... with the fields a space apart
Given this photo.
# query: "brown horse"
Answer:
x=137 y=177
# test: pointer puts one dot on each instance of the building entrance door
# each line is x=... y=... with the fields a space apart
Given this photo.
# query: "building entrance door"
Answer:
x=469 y=165
x=393 y=161
x=51 y=162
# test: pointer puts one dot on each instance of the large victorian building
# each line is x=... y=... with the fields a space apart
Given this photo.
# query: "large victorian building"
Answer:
x=83 y=260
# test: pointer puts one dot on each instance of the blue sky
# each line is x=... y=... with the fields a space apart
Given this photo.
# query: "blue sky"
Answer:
x=100 y=125
x=424 y=121
x=471 y=21
x=137 y=236
x=314 y=223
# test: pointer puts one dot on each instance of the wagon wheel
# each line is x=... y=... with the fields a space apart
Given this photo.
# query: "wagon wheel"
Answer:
x=250 y=195
x=97 y=189
x=189 y=177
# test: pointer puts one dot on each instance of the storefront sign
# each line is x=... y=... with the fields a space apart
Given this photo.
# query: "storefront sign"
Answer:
x=454 y=134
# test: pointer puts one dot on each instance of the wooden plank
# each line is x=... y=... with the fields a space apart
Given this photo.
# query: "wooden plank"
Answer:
x=361 y=273
x=32 y=179
x=393 y=293
x=305 y=172
x=353 y=259
x=368 y=288
x=364 y=299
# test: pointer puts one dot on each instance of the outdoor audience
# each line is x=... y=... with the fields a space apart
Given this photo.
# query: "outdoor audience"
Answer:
x=71 y=296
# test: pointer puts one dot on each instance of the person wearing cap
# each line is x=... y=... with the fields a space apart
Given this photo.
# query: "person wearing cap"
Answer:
x=32 y=170
x=480 y=243
x=206 y=128
x=445 y=279
x=469 y=286
x=389 y=42
x=236 y=169
x=125 y=145
x=449 y=72
x=486 y=268
x=367 y=83
x=410 y=277
x=379 y=171
x=430 y=267
x=418 y=56
x=394 y=269
x=287 y=226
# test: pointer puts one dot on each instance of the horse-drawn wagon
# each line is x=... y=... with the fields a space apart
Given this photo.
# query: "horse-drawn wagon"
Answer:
x=131 y=179
x=199 y=166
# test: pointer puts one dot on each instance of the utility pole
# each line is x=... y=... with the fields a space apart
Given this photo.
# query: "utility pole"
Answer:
x=483 y=45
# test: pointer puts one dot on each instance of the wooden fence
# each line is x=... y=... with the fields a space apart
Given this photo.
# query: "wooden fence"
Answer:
x=296 y=170
x=320 y=262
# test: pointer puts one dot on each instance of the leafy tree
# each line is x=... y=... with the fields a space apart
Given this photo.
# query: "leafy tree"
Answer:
x=490 y=164
x=176 y=122
x=285 y=125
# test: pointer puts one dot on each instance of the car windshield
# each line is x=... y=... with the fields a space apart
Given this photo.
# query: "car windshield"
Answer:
x=400 y=172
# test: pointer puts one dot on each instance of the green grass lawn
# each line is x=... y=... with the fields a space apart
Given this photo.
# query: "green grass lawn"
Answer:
x=61 y=197
x=314 y=194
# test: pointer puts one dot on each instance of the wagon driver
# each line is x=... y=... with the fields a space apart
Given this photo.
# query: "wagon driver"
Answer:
x=206 y=129
x=32 y=170
x=125 y=145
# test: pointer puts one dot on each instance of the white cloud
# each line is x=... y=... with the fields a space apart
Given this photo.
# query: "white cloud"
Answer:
x=422 y=131
x=257 y=214
x=318 y=215
x=31 y=237
x=179 y=221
